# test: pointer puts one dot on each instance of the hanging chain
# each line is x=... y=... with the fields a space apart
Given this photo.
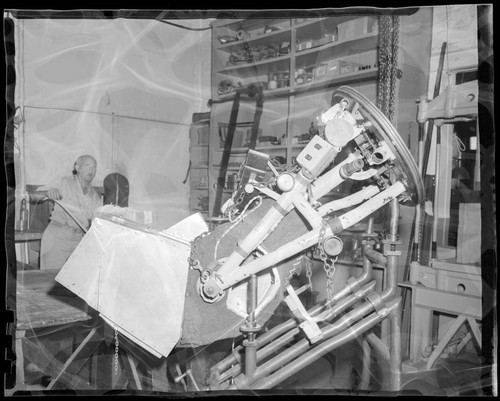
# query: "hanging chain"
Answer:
x=389 y=73
x=115 y=361
x=309 y=272
x=395 y=72
x=297 y=269
x=195 y=263
x=328 y=263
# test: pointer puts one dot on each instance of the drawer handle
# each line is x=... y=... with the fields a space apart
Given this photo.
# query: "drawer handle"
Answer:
x=460 y=288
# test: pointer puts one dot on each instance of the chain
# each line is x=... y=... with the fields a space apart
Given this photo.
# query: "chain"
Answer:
x=117 y=344
x=388 y=64
x=328 y=264
x=394 y=67
x=195 y=263
x=309 y=272
x=296 y=269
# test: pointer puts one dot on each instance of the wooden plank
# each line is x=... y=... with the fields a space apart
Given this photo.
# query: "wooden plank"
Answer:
x=76 y=361
x=42 y=302
x=46 y=362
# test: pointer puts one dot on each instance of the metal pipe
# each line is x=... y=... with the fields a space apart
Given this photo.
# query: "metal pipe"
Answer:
x=377 y=344
x=331 y=179
x=350 y=200
x=320 y=350
x=375 y=256
x=369 y=225
x=277 y=331
x=306 y=240
x=393 y=230
x=395 y=316
x=250 y=344
x=395 y=358
x=303 y=345
x=365 y=369
x=289 y=336
x=370 y=206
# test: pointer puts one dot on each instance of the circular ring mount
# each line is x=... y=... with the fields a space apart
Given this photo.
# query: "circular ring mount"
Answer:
x=367 y=114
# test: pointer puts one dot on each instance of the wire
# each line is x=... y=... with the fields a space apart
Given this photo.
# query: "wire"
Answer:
x=185 y=27
x=459 y=145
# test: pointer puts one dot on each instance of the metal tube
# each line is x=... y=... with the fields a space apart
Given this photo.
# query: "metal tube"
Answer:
x=375 y=256
x=393 y=231
x=365 y=369
x=377 y=344
x=320 y=350
x=350 y=200
x=250 y=344
x=303 y=345
x=369 y=225
x=373 y=204
x=331 y=179
x=395 y=359
x=288 y=337
x=272 y=258
x=307 y=240
x=395 y=316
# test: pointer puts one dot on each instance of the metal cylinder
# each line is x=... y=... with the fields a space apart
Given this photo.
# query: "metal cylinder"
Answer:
x=393 y=230
x=365 y=372
x=317 y=352
x=303 y=345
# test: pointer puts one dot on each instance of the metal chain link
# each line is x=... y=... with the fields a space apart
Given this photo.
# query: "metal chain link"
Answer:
x=394 y=68
x=115 y=361
x=389 y=73
x=195 y=263
x=328 y=263
x=309 y=272
x=297 y=269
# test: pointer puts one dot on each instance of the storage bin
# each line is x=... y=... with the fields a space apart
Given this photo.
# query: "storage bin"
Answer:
x=357 y=27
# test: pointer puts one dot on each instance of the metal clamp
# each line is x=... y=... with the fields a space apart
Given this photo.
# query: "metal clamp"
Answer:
x=308 y=326
x=376 y=300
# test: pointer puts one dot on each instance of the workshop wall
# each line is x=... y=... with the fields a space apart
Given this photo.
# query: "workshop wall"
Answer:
x=123 y=90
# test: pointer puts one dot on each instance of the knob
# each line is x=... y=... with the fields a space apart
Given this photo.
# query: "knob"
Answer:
x=285 y=182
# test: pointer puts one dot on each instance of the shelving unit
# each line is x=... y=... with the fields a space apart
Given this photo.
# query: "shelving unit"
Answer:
x=298 y=63
x=199 y=168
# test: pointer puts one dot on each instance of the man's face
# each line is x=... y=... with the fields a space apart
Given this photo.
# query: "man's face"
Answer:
x=87 y=169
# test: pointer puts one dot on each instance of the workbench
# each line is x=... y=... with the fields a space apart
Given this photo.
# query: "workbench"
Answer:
x=69 y=343
x=42 y=305
x=22 y=240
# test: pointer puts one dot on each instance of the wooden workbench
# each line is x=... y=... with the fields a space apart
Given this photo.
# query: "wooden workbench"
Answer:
x=46 y=311
x=42 y=302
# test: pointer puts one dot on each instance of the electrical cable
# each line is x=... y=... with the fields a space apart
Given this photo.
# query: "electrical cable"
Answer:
x=68 y=212
x=185 y=27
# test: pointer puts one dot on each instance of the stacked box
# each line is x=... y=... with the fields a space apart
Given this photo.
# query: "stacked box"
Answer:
x=357 y=27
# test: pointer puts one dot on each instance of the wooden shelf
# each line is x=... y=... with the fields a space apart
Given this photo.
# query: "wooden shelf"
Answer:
x=283 y=115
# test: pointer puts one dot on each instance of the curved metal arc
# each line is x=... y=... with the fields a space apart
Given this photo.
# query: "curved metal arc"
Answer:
x=393 y=139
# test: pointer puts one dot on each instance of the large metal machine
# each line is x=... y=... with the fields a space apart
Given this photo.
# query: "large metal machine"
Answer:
x=189 y=287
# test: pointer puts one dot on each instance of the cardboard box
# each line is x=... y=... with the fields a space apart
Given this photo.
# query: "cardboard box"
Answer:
x=469 y=233
x=320 y=71
x=357 y=27
x=333 y=68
